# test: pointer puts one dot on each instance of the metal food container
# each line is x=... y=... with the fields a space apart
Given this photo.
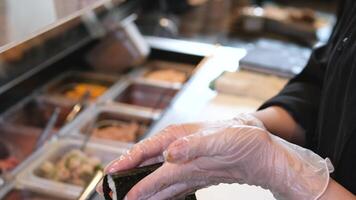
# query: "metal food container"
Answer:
x=73 y=85
x=35 y=113
x=17 y=145
x=123 y=44
x=30 y=178
x=116 y=123
x=143 y=95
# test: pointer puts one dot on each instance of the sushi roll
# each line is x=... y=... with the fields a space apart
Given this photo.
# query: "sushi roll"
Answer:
x=117 y=185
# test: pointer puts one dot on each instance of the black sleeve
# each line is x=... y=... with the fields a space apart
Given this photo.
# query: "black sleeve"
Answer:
x=301 y=96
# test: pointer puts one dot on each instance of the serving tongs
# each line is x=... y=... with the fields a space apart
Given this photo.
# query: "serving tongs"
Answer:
x=88 y=132
x=89 y=191
x=55 y=115
x=78 y=107
x=48 y=128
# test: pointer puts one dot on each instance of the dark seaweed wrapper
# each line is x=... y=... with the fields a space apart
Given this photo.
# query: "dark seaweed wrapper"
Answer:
x=125 y=180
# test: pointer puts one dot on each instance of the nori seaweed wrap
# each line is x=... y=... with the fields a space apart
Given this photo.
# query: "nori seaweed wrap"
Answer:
x=125 y=180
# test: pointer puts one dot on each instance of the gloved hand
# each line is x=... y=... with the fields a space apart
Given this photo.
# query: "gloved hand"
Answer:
x=200 y=155
x=150 y=151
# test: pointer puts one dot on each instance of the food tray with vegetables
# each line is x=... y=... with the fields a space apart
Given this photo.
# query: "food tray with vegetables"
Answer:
x=65 y=168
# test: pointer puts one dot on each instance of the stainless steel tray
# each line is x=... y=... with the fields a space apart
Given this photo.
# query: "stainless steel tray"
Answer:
x=114 y=112
x=139 y=94
x=34 y=113
x=28 y=178
x=20 y=143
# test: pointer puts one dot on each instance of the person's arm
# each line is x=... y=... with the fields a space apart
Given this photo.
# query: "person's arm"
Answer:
x=292 y=114
x=336 y=191
x=279 y=122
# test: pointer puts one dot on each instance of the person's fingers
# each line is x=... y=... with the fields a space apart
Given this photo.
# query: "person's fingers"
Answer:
x=165 y=176
x=122 y=163
x=206 y=144
x=139 y=153
x=189 y=148
x=147 y=149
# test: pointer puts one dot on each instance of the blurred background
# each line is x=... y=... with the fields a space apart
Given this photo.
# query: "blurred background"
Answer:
x=287 y=33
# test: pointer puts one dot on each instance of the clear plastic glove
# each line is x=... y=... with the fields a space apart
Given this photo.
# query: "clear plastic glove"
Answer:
x=200 y=155
x=150 y=151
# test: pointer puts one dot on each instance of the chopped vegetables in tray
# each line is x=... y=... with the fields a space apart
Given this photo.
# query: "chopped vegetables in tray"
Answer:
x=168 y=75
x=78 y=91
x=75 y=167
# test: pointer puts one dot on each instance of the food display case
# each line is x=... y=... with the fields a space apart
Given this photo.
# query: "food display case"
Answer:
x=50 y=71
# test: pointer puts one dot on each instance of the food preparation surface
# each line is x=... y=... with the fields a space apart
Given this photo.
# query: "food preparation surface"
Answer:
x=25 y=122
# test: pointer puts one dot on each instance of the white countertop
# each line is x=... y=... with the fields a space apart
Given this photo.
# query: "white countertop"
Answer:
x=225 y=107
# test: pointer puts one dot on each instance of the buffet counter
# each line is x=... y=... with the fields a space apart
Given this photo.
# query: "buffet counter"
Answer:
x=63 y=119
